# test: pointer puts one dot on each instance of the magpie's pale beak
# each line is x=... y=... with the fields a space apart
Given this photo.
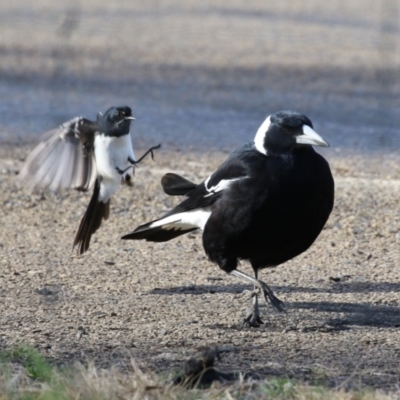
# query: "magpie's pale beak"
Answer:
x=132 y=118
x=311 y=137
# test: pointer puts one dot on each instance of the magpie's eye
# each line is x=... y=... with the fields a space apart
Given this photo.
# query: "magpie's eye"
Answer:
x=120 y=113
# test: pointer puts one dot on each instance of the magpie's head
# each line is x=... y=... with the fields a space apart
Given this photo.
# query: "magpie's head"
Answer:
x=116 y=121
x=284 y=131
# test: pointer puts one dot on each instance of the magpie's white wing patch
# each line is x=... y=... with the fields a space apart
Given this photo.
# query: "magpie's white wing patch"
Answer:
x=172 y=225
x=184 y=220
x=207 y=193
x=223 y=184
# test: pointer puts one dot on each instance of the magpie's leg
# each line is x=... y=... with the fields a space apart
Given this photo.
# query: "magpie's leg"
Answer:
x=253 y=318
x=134 y=162
x=269 y=296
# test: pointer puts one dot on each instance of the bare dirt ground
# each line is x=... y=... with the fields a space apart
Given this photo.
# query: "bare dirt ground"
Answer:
x=201 y=77
x=160 y=303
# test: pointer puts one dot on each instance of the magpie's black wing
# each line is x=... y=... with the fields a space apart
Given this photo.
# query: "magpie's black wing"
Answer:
x=193 y=212
x=63 y=159
x=234 y=169
x=175 y=185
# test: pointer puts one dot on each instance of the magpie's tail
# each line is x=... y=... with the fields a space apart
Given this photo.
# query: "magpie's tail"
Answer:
x=175 y=185
x=91 y=221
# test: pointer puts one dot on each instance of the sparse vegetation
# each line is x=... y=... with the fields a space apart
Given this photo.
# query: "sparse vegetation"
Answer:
x=26 y=375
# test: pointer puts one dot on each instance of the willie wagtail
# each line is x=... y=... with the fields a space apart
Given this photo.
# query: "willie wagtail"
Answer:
x=81 y=153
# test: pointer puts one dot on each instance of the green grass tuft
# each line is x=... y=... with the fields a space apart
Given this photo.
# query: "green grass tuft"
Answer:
x=25 y=375
x=34 y=363
x=281 y=388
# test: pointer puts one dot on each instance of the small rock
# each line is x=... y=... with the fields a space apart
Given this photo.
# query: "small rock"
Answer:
x=339 y=278
x=200 y=371
x=44 y=291
x=99 y=314
x=167 y=356
x=214 y=278
x=81 y=331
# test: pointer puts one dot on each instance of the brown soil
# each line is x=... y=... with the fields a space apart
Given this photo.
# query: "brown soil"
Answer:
x=201 y=77
x=160 y=303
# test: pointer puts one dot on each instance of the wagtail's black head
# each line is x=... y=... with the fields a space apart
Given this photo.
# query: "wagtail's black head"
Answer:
x=284 y=131
x=116 y=121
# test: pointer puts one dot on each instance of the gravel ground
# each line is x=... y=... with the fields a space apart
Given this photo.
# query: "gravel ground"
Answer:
x=201 y=77
x=160 y=303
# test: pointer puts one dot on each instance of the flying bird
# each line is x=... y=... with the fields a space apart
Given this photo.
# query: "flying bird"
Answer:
x=267 y=203
x=81 y=154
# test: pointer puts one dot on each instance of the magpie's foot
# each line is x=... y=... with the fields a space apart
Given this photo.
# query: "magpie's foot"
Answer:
x=253 y=321
x=269 y=297
x=253 y=315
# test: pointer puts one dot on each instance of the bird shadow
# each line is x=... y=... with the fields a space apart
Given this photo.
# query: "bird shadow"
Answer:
x=331 y=287
x=359 y=314
x=343 y=287
x=355 y=314
x=199 y=289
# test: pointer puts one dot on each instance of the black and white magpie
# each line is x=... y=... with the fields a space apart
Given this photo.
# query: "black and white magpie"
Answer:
x=81 y=153
x=266 y=203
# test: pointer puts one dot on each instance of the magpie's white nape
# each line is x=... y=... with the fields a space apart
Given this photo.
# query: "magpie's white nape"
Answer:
x=267 y=203
x=82 y=154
